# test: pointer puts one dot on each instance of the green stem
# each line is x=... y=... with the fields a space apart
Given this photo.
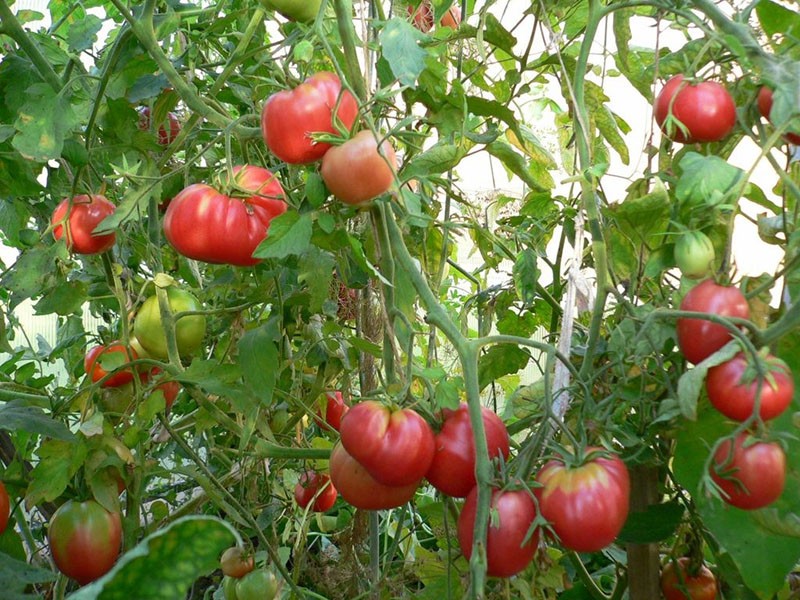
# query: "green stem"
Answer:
x=344 y=21
x=264 y=449
x=378 y=213
x=14 y=30
x=108 y=70
x=740 y=31
x=256 y=21
x=786 y=324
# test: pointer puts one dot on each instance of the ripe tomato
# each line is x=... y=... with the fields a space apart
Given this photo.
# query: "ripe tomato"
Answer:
x=507 y=551
x=258 y=585
x=170 y=388
x=360 y=489
x=752 y=474
x=395 y=447
x=694 y=254
x=452 y=471
x=334 y=409
x=732 y=388
x=601 y=483
x=765 y=108
x=206 y=224
x=698 y=338
x=165 y=136
x=317 y=487
x=422 y=18
x=291 y=116
x=237 y=562
x=5 y=507
x=101 y=360
x=78 y=220
x=706 y=111
x=678 y=584
x=189 y=330
x=84 y=539
x=357 y=171
x=296 y=10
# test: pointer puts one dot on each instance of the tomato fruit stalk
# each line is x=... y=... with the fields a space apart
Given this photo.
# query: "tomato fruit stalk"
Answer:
x=76 y=220
x=750 y=473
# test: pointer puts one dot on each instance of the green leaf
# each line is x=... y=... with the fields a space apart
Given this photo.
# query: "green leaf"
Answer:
x=15 y=416
x=289 y=233
x=707 y=181
x=691 y=383
x=258 y=357
x=43 y=123
x=82 y=33
x=33 y=272
x=399 y=42
x=438 y=159
x=59 y=461
x=777 y=19
x=657 y=523
x=448 y=393
x=219 y=379
x=498 y=36
x=526 y=276
x=166 y=563
x=516 y=163
x=501 y=360
x=67 y=298
x=16 y=575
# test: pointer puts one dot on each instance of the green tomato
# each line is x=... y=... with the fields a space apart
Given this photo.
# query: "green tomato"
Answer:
x=229 y=587
x=258 y=585
x=694 y=254
x=189 y=330
x=296 y=10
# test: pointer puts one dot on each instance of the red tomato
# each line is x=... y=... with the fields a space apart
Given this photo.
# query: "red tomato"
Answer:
x=586 y=505
x=507 y=551
x=395 y=447
x=706 y=111
x=422 y=18
x=732 y=388
x=360 y=489
x=237 y=562
x=765 y=107
x=291 y=116
x=84 y=540
x=698 y=338
x=334 y=410
x=357 y=171
x=678 y=584
x=317 y=487
x=752 y=475
x=170 y=388
x=101 y=360
x=452 y=471
x=79 y=220
x=165 y=137
x=206 y=224
x=5 y=507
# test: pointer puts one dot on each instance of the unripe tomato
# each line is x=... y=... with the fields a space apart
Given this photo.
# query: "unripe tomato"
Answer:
x=84 y=540
x=357 y=171
x=678 y=584
x=5 y=507
x=165 y=136
x=765 y=108
x=694 y=254
x=237 y=562
x=229 y=587
x=258 y=585
x=750 y=473
x=705 y=111
x=296 y=10
x=189 y=330
x=76 y=220
x=101 y=360
x=317 y=487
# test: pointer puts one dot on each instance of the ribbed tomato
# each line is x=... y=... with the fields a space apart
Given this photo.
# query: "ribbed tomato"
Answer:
x=291 y=116
x=206 y=224
x=76 y=219
x=751 y=473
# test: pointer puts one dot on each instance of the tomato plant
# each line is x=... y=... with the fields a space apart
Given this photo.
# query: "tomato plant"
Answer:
x=261 y=584
x=317 y=105
x=360 y=489
x=733 y=387
x=359 y=170
x=751 y=473
x=167 y=132
x=697 y=112
x=206 y=224
x=237 y=562
x=452 y=471
x=764 y=102
x=678 y=582
x=76 y=219
x=395 y=447
x=189 y=329
x=316 y=487
x=5 y=507
x=102 y=360
x=510 y=543
x=694 y=254
x=84 y=540
x=601 y=482
x=332 y=410
x=700 y=338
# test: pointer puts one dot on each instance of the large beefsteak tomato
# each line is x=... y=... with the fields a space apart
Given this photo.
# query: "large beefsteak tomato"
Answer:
x=358 y=171
x=225 y=227
x=290 y=117
x=84 y=540
x=360 y=489
x=189 y=329
x=699 y=338
x=701 y=112
x=509 y=548
x=395 y=447
x=452 y=471
x=76 y=219
x=587 y=505
x=750 y=473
